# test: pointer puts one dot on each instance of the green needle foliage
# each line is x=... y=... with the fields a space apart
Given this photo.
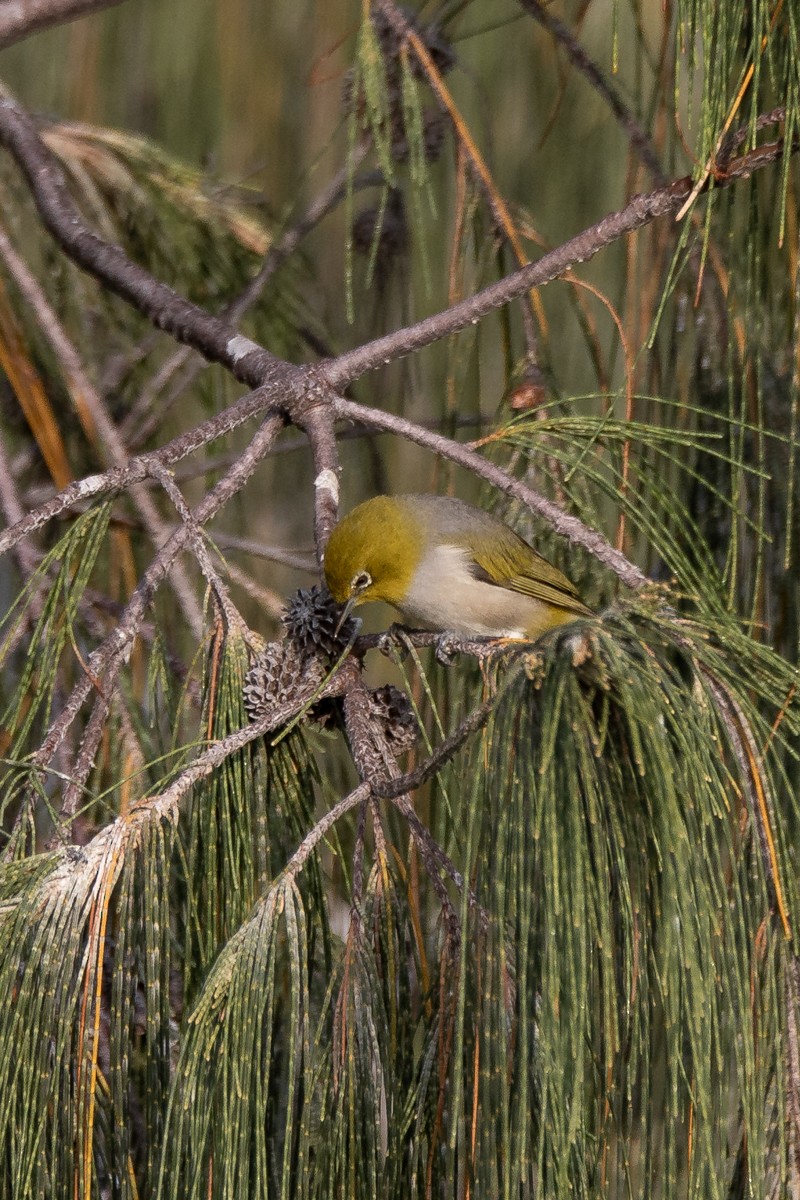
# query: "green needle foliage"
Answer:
x=630 y=940
x=36 y=661
x=233 y=962
x=628 y=922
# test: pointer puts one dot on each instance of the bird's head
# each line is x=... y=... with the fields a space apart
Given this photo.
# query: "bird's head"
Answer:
x=373 y=552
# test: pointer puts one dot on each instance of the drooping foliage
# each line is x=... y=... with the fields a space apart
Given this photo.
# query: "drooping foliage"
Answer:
x=241 y=961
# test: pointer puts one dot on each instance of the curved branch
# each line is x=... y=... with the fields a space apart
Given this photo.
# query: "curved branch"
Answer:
x=219 y=342
x=167 y=310
x=20 y=18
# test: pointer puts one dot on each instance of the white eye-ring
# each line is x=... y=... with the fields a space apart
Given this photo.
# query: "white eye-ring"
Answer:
x=361 y=582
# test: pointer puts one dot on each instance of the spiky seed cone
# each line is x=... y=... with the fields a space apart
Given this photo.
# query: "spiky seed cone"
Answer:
x=393 y=709
x=310 y=619
x=281 y=675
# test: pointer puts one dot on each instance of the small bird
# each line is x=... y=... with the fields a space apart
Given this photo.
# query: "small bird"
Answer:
x=447 y=566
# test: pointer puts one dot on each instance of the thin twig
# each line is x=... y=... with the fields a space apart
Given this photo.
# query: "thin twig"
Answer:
x=563 y=523
x=588 y=67
x=332 y=194
x=323 y=825
x=392 y=788
x=318 y=424
x=297 y=561
x=82 y=766
x=199 y=548
x=267 y=598
x=76 y=494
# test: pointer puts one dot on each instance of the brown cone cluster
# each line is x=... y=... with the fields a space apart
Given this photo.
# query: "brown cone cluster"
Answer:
x=284 y=672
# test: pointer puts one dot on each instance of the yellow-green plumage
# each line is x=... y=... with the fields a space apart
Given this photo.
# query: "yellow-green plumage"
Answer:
x=371 y=538
x=449 y=566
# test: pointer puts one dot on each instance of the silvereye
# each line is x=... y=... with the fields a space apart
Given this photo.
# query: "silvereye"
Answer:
x=447 y=566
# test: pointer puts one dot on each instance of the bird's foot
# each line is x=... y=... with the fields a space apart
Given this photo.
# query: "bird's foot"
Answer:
x=394 y=643
x=482 y=648
x=448 y=646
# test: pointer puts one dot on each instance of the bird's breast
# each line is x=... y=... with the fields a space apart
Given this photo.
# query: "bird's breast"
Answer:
x=445 y=595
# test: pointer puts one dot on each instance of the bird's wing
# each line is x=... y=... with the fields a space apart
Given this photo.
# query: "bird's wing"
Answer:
x=539 y=579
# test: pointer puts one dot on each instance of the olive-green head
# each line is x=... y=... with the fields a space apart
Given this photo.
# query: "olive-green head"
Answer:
x=373 y=552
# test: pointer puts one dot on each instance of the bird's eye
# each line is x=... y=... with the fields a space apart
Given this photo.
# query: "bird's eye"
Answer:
x=361 y=581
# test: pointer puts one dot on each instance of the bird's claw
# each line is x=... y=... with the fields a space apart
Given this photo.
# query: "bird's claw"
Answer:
x=447 y=647
x=394 y=642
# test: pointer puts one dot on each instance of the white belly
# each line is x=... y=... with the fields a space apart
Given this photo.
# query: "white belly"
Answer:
x=444 y=595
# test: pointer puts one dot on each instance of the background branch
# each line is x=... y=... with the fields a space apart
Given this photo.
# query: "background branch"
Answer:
x=586 y=65
x=20 y=18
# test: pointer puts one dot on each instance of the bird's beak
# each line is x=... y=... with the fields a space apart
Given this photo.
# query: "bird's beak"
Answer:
x=348 y=608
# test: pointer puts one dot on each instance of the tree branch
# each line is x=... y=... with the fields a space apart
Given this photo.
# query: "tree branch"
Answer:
x=138 y=469
x=639 y=211
x=188 y=323
x=20 y=18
